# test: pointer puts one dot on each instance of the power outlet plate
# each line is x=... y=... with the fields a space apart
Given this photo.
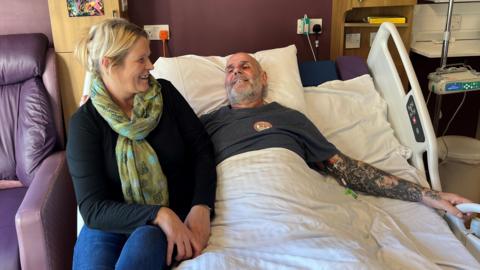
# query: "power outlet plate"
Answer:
x=153 y=31
x=352 y=40
x=312 y=23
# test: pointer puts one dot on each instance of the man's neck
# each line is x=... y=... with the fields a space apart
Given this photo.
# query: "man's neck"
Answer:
x=248 y=105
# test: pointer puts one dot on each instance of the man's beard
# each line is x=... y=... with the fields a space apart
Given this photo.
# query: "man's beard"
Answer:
x=250 y=93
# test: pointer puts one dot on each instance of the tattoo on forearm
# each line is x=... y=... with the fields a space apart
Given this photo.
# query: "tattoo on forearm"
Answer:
x=432 y=194
x=361 y=176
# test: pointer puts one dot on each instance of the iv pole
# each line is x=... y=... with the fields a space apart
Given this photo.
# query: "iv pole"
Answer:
x=446 y=36
x=443 y=63
x=450 y=78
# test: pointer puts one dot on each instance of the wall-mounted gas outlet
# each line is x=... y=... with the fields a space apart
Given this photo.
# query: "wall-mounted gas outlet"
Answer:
x=153 y=31
x=312 y=23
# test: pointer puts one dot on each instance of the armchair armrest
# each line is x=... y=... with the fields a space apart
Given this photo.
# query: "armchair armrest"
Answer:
x=46 y=220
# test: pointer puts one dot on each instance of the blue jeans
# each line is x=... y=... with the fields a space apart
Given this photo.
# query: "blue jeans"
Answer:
x=144 y=248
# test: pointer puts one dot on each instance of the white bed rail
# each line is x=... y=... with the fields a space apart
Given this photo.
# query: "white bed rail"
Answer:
x=388 y=83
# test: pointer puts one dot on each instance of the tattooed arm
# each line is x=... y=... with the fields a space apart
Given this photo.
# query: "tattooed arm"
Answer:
x=363 y=177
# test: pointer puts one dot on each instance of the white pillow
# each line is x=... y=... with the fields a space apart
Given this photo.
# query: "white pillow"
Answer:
x=353 y=116
x=201 y=79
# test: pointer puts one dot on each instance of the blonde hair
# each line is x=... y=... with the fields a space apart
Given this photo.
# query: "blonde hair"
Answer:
x=111 y=38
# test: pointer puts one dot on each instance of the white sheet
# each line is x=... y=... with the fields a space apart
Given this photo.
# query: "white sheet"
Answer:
x=273 y=212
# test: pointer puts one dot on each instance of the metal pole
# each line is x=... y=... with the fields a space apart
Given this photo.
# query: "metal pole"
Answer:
x=446 y=36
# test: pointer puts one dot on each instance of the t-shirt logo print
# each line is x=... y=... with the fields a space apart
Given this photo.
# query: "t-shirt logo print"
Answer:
x=261 y=126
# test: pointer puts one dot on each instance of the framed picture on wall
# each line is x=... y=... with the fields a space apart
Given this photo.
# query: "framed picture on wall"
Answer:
x=78 y=8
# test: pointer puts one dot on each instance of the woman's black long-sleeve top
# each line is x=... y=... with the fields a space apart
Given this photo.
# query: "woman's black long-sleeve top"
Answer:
x=183 y=148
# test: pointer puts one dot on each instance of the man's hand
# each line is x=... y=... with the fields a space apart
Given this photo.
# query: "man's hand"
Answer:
x=444 y=201
x=177 y=234
x=198 y=221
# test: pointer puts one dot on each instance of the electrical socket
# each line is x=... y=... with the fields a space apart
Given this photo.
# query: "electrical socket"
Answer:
x=153 y=31
x=312 y=23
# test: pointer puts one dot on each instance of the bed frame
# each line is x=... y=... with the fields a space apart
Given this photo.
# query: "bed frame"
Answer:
x=408 y=115
x=404 y=106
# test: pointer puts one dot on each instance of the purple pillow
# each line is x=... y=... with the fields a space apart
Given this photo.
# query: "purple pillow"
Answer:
x=350 y=67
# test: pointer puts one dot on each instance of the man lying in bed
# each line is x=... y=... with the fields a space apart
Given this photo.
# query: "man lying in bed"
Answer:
x=248 y=123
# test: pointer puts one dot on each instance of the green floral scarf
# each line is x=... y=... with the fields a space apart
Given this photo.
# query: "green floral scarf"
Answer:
x=143 y=180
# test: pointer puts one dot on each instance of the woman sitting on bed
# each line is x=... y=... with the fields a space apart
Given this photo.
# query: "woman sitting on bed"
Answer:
x=248 y=123
x=141 y=162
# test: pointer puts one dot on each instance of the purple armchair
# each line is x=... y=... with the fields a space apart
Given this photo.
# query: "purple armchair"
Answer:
x=37 y=203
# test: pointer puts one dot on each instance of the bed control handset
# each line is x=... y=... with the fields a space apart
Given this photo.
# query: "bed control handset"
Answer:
x=472 y=208
x=470 y=238
x=469 y=207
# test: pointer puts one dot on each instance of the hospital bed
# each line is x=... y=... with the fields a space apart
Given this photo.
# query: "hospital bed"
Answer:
x=274 y=212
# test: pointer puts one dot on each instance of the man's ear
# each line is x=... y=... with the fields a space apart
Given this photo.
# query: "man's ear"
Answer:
x=264 y=78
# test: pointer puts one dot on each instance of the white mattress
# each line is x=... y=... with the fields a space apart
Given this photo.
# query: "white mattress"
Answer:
x=274 y=212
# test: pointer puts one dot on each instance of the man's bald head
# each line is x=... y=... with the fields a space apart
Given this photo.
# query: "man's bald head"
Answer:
x=245 y=81
x=242 y=56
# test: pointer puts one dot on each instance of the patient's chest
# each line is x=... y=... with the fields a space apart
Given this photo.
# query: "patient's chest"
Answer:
x=238 y=131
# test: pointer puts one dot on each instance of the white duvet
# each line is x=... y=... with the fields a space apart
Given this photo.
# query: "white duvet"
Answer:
x=274 y=212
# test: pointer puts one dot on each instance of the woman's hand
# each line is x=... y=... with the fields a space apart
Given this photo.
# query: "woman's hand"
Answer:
x=444 y=201
x=177 y=234
x=198 y=221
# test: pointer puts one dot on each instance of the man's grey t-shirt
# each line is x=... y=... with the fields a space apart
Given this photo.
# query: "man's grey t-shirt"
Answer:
x=235 y=131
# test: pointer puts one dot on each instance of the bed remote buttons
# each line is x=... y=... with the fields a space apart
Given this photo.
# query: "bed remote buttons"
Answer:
x=415 y=120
